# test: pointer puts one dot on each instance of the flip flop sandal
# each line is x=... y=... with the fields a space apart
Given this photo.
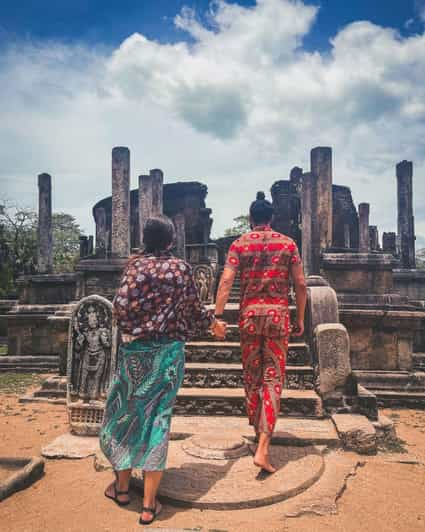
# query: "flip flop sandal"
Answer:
x=148 y=521
x=116 y=494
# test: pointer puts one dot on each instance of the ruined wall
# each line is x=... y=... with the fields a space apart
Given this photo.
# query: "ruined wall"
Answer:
x=345 y=219
x=186 y=198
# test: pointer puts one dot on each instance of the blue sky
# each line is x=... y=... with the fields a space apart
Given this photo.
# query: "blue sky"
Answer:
x=233 y=94
x=110 y=22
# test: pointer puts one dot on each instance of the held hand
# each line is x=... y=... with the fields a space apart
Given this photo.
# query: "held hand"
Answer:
x=298 y=328
x=219 y=329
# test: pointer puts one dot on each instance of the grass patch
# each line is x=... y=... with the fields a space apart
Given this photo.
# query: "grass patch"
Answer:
x=3 y=349
x=17 y=383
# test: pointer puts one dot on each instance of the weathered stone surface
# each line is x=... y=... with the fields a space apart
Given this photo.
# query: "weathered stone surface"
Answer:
x=389 y=243
x=356 y=432
x=120 y=246
x=23 y=473
x=92 y=352
x=345 y=232
x=179 y=224
x=333 y=354
x=232 y=484
x=306 y=206
x=213 y=447
x=45 y=238
x=364 y=239
x=70 y=446
x=322 y=307
x=321 y=175
x=405 y=219
x=374 y=238
x=385 y=430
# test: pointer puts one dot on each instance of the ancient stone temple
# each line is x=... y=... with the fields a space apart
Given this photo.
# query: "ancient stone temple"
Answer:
x=365 y=316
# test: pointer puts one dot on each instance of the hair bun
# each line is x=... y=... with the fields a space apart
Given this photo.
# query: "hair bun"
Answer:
x=261 y=196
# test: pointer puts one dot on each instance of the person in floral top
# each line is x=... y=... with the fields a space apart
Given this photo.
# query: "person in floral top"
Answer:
x=267 y=261
x=157 y=308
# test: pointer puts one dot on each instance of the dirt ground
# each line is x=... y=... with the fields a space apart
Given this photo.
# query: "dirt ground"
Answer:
x=381 y=496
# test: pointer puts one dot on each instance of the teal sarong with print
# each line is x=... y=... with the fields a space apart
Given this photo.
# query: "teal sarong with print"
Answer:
x=136 y=424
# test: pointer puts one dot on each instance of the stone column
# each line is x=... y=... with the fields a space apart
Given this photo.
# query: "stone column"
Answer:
x=120 y=246
x=321 y=173
x=179 y=223
x=157 y=191
x=306 y=249
x=364 y=239
x=150 y=198
x=406 y=225
x=45 y=238
x=102 y=234
x=389 y=243
x=347 y=236
x=374 y=238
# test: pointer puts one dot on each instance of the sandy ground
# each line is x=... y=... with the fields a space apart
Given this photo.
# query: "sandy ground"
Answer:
x=380 y=497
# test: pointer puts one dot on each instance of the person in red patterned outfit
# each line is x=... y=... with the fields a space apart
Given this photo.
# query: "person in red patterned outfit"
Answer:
x=267 y=261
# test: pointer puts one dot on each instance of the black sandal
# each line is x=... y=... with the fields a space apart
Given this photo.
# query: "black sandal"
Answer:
x=116 y=494
x=148 y=521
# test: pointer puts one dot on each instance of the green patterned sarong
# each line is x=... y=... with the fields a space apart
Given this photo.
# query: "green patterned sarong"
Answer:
x=139 y=406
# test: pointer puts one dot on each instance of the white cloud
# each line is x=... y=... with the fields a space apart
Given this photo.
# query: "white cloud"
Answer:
x=235 y=107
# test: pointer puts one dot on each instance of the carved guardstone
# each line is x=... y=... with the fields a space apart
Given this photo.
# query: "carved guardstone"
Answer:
x=92 y=349
x=204 y=279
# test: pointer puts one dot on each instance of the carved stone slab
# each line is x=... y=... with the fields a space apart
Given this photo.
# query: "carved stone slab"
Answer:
x=92 y=350
x=204 y=279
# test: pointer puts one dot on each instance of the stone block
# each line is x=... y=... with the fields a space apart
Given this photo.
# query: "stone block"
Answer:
x=332 y=345
x=356 y=432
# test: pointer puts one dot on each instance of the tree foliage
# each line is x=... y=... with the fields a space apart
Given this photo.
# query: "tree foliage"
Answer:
x=240 y=226
x=18 y=244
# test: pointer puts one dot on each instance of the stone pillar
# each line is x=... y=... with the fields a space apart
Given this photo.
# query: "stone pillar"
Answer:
x=102 y=234
x=150 y=198
x=83 y=246
x=306 y=249
x=347 y=236
x=296 y=175
x=45 y=238
x=389 y=243
x=120 y=246
x=374 y=238
x=406 y=225
x=157 y=187
x=179 y=223
x=364 y=239
x=321 y=173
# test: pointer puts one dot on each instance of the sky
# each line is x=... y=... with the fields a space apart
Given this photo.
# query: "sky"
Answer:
x=230 y=93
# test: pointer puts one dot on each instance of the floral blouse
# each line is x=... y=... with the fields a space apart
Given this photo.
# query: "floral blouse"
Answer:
x=264 y=258
x=158 y=298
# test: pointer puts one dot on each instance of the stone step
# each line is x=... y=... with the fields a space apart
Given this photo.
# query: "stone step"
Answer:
x=210 y=375
x=230 y=352
x=233 y=335
x=389 y=399
x=29 y=364
x=418 y=361
x=231 y=402
x=392 y=380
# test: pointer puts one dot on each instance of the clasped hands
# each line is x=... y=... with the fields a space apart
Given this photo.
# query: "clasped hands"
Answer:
x=219 y=329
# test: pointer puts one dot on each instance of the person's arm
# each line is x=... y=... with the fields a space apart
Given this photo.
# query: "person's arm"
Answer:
x=226 y=282
x=296 y=273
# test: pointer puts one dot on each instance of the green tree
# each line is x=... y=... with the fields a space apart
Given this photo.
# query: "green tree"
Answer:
x=240 y=226
x=18 y=244
x=66 y=243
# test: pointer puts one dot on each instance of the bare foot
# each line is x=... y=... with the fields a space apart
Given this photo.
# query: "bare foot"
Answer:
x=111 y=492
x=263 y=462
x=147 y=516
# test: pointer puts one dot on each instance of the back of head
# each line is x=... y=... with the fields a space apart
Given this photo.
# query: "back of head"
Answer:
x=158 y=234
x=261 y=210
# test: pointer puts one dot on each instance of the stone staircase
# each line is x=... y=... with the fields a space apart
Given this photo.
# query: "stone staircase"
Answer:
x=213 y=383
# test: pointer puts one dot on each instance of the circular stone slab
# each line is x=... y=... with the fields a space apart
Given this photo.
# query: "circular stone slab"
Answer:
x=232 y=484
x=215 y=448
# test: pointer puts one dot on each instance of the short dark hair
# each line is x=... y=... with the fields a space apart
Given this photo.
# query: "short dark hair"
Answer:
x=158 y=234
x=261 y=210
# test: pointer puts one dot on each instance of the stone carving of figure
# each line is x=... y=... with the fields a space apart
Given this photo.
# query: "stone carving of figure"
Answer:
x=203 y=279
x=92 y=345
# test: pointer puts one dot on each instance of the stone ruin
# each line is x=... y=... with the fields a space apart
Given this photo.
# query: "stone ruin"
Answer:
x=92 y=356
x=370 y=290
